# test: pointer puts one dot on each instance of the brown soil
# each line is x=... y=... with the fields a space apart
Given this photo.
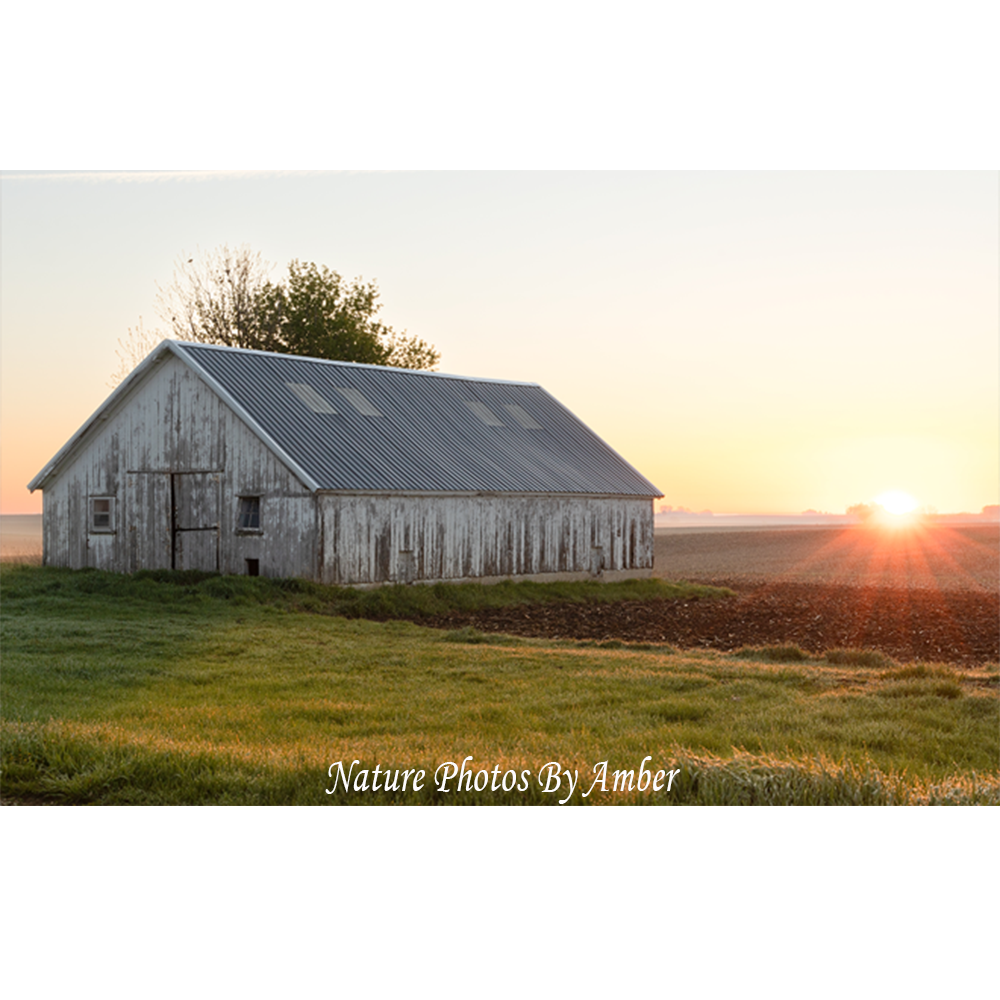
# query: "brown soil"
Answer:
x=956 y=626
x=931 y=594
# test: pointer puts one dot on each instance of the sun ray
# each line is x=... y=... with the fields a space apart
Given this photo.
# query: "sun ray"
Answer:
x=933 y=542
x=875 y=572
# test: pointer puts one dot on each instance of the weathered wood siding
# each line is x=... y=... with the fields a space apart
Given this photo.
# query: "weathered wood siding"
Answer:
x=385 y=538
x=172 y=443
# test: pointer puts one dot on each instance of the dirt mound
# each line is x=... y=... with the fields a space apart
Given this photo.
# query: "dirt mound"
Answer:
x=908 y=624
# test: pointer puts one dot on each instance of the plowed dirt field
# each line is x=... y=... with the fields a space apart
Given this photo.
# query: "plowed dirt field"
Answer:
x=930 y=593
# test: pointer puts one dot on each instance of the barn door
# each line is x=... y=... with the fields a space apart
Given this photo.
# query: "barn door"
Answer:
x=196 y=505
x=147 y=521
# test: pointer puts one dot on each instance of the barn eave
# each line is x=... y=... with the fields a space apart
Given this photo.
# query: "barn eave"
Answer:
x=525 y=494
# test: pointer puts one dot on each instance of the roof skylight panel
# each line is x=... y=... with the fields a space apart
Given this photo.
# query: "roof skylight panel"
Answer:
x=310 y=397
x=357 y=401
x=483 y=412
x=525 y=419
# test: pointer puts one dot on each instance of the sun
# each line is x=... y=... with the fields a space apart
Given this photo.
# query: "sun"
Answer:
x=896 y=502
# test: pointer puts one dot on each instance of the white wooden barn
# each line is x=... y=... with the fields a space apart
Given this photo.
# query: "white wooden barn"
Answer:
x=218 y=459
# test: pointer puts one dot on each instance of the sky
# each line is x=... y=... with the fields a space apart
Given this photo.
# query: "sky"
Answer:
x=752 y=342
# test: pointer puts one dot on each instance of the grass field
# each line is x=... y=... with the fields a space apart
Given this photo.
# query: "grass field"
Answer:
x=173 y=689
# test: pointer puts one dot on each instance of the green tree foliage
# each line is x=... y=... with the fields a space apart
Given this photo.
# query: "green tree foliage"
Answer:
x=314 y=312
x=226 y=297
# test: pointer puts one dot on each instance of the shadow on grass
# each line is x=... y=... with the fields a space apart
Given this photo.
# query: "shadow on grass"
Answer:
x=25 y=584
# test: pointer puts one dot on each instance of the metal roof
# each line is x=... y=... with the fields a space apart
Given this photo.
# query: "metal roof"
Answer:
x=393 y=429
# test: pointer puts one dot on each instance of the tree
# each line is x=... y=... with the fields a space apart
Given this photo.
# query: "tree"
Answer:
x=225 y=297
x=137 y=343
x=216 y=299
x=314 y=312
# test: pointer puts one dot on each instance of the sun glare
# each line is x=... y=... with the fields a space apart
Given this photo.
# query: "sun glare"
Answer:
x=894 y=509
x=896 y=502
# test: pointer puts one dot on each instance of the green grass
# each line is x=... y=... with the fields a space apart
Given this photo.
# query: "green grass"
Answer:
x=773 y=654
x=230 y=690
x=23 y=583
x=858 y=657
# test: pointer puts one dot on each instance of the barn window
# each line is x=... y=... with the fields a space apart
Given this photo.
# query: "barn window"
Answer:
x=249 y=518
x=102 y=514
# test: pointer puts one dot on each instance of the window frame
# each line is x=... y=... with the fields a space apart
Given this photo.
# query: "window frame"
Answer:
x=241 y=500
x=93 y=528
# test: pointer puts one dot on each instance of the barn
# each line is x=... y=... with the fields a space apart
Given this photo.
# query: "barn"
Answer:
x=234 y=461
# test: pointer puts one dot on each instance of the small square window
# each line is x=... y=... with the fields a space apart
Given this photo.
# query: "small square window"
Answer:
x=102 y=514
x=249 y=519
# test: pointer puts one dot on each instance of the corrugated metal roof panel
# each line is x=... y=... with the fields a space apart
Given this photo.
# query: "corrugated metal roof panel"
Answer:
x=417 y=431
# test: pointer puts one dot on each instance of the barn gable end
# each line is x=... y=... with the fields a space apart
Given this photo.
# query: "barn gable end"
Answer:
x=168 y=442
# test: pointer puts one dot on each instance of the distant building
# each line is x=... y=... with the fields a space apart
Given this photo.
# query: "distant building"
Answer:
x=218 y=459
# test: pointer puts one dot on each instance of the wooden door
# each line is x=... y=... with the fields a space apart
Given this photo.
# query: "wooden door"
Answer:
x=196 y=503
x=147 y=521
